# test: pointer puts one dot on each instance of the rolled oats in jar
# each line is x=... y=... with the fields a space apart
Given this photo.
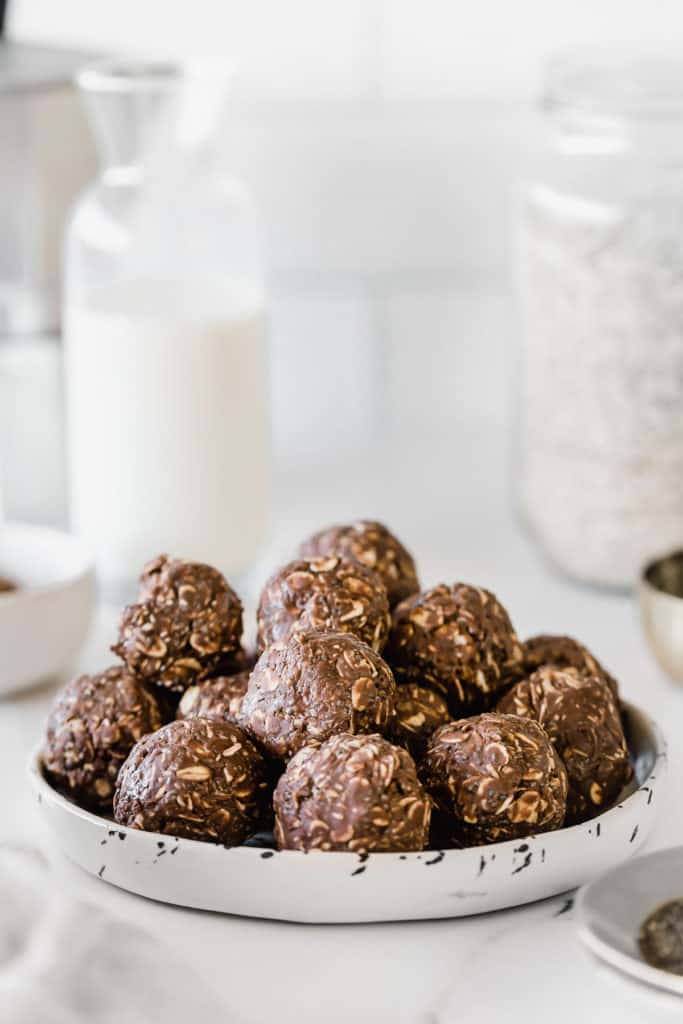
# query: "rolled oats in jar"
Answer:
x=600 y=250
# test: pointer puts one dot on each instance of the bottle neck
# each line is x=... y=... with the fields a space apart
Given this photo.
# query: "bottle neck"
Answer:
x=146 y=118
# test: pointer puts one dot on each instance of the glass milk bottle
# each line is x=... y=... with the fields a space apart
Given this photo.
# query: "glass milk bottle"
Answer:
x=165 y=332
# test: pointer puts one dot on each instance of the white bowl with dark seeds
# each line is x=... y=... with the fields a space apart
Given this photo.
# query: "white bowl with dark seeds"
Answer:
x=632 y=918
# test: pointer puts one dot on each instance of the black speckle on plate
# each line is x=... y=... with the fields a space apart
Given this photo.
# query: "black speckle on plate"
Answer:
x=435 y=860
x=359 y=871
x=482 y=865
x=522 y=849
x=174 y=850
x=103 y=842
x=633 y=834
x=122 y=835
x=525 y=864
x=265 y=853
x=101 y=871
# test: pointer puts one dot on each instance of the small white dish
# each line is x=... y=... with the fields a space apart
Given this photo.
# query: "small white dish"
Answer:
x=660 y=596
x=43 y=623
x=345 y=887
x=610 y=911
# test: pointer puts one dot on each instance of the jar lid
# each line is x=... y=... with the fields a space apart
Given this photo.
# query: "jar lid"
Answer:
x=615 y=84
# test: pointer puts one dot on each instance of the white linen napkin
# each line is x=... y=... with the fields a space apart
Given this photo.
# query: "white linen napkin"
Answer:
x=64 y=961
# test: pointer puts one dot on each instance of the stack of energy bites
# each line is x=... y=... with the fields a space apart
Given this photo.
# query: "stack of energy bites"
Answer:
x=376 y=717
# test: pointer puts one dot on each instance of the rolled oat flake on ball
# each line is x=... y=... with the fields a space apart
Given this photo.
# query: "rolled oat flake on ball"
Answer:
x=186 y=622
x=356 y=793
x=93 y=724
x=419 y=711
x=374 y=546
x=195 y=778
x=581 y=717
x=493 y=777
x=564 y=652
x=220 y=698
x=329 y=594
x=313 y=686
x=458 y=640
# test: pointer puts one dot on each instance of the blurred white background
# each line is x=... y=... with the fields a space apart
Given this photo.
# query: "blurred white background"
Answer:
x=382 y=139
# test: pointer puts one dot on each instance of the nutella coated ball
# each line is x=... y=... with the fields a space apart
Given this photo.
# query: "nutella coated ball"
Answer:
x=332 y=594
x=371 y=544
x=92 y=726
x=232 y=664
x=315 y=685
x=195 y=778
x=419 y=711
x=661 y=937
x=220 y=698
x=186 y=622
x=493 y=777
x=564 y=652
x=581 y=718
x=356 y=793
x=458 y=640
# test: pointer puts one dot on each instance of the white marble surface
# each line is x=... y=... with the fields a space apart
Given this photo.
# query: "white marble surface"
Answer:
x=449 y=499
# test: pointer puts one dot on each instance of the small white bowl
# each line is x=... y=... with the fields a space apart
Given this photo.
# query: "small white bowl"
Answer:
x=611 y=909
x=43 y=623
x=660 y=595
x=348 y=887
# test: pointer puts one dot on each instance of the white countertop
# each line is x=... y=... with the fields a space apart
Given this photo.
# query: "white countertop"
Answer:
x=518 y=965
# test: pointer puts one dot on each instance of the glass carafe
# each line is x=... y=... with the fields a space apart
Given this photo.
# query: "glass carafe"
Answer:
x=165 y=332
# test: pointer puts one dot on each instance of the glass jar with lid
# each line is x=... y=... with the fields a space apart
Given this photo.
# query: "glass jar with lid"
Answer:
x=165 y=331
x=601 y=272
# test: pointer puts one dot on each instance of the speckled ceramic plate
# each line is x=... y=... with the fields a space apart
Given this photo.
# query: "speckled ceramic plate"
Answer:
x=346 y=887
x=610 y=911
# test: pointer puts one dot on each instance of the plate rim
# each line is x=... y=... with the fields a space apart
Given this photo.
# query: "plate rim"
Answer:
x=44 y=790
x=609 y=954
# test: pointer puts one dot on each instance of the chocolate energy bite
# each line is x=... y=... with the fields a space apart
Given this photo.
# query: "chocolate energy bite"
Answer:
x=196 y=778
x=186 y=622
x=661 y=937
x=371 y=544
x=419 y=711
x=493 y=777
x=458 y=640
x=220 y=698
x=331 y=593
x=315 y=685
x=581 y=717
x=356 y=793
x=92 y=726
x=564 y=652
